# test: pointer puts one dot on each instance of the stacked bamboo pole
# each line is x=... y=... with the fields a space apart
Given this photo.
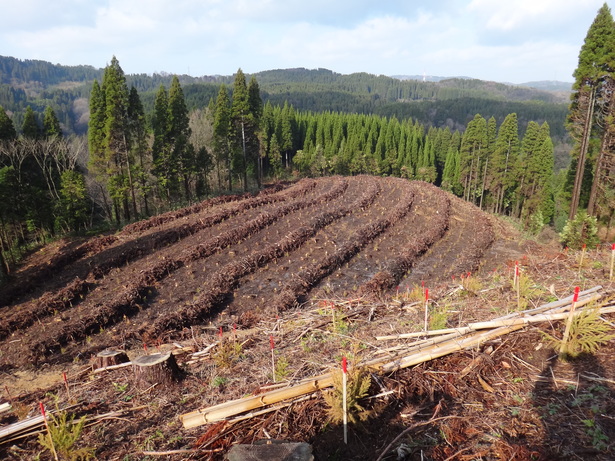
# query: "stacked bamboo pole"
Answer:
x=443 y=343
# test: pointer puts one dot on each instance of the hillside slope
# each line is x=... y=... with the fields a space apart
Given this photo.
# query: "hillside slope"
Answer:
x=319 y=269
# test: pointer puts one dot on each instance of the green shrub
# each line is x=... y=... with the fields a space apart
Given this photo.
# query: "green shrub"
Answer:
x=583 y=229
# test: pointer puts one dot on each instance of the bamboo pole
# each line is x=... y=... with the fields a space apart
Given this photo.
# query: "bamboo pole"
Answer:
x=419 y=334
x=555 y=304
x=554 y=308
x=534 y=319
x=448 y=347
x=415 y=354
x=5 y=407
x=234 y=407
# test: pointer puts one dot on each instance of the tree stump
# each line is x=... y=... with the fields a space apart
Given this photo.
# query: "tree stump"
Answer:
x=110 y=357
x=161 y=369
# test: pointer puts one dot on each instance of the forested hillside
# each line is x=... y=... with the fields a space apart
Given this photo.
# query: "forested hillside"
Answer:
x=158 y=142
x=452 y=102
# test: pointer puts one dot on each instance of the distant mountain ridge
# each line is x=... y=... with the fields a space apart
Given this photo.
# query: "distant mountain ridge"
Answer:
x=546 y=85
x=437 y=101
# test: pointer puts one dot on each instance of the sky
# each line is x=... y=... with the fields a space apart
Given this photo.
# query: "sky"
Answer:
x=514 y=41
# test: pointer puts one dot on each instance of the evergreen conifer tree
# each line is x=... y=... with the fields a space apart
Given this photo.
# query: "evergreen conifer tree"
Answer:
x=221 y=128
x=592 y=87
x=30 y=128
x=7 y=129
x=51 y=124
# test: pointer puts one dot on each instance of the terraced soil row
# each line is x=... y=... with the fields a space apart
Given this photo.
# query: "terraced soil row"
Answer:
x=460 y=251
x=134 y=295
x=50 y=303
x=122 y=255
x=240 y=259
x=399 y=266
x=302 y=282
x=222 y=283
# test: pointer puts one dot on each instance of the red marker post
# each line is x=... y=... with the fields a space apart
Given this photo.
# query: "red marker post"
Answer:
x=612 y=260
x=66 y=384
x=344 y=398
x=426 y=309
x=575 y=299
x=53 y=448
x=272 y=345
x=516 y=278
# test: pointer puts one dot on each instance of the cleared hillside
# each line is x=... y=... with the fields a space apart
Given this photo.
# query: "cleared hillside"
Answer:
x=318 y=269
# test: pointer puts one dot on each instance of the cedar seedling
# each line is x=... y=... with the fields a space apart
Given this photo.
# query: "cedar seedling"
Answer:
x=587 y=333
x=62 y=437
x=358 y=382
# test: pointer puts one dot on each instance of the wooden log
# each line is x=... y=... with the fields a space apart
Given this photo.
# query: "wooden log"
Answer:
x=160 y=369
x=110 y=357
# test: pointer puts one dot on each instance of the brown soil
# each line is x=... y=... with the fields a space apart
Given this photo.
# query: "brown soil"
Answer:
x=287 y=262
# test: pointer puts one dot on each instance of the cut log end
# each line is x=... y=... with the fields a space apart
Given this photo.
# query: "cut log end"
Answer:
x=110 y=357
x=155 y=369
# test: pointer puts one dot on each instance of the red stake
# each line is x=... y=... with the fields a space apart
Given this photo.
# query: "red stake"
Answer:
x=271 y=343
x=145 y=347
x=66 y=384
x=42 y=407
x=344 y=398
x=576 y=295
x=220 y=333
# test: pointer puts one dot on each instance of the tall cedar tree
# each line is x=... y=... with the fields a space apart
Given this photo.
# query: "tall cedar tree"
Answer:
x=139 y=146
x=116 y=142
x=51 y=124
x=30 y=128
x=255 y=105
x=108 y=138
x=504 y=160
x=591 y=88
x=7 y=129
x=222 y=130
x=471 y=155
x=181 y=150
x=164 y=168
x=240 y=119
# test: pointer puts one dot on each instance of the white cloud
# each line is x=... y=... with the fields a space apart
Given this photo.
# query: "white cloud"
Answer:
x=478 y=38
x=519 y=14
